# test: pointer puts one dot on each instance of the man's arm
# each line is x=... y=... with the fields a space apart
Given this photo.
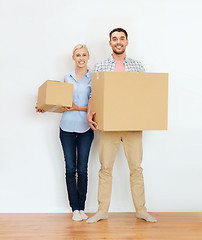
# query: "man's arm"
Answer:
x=90 y=115
x=140 y=67
x=98 y=67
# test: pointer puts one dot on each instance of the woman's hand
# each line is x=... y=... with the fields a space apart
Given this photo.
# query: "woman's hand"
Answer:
x=91 y=123
x=73 y=108
x=39 y=110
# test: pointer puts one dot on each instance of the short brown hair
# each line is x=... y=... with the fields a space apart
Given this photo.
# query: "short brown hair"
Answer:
x=118 y=30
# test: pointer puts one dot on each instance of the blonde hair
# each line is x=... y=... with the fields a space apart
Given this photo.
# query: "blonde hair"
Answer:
x=79 y=46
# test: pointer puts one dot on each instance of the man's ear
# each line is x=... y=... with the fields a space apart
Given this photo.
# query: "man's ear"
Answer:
x=110 y=43
x=127 y=42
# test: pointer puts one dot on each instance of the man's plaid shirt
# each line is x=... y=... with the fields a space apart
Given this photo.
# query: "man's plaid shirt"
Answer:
x=108 y=65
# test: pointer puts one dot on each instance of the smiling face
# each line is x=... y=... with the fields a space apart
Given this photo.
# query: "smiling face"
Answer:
x=81 y=57
x=118 y=42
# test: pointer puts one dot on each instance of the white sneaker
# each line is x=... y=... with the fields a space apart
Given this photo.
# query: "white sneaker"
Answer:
x=83 y=215
x=77 y=216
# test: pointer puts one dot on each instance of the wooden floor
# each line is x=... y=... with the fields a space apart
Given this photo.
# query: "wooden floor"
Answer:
x=119 y=226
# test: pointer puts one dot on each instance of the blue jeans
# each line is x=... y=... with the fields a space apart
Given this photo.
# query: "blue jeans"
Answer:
x=76 y=148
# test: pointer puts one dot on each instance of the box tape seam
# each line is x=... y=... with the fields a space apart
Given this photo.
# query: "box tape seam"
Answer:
x=54 y=108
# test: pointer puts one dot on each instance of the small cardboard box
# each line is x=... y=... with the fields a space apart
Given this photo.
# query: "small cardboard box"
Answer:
x=130 y=101
x=53 y=95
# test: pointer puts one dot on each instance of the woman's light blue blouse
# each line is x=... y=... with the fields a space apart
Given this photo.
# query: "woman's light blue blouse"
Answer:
x=75 y=121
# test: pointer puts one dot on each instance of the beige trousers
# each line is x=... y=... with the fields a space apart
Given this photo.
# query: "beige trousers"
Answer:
x=108 y=146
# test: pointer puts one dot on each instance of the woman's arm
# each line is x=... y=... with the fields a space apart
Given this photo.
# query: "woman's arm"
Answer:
x=75 y=108
x=83 y=108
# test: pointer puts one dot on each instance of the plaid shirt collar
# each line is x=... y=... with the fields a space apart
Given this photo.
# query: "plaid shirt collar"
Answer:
x=111 y=59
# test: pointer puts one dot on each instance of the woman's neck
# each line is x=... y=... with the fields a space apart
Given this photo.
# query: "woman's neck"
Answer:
x=80 y=72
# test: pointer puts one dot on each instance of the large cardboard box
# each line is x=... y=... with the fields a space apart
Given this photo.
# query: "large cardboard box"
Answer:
x=53 y=95
x=129 y=101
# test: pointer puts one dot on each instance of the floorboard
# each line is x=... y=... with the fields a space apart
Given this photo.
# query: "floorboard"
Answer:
x=59 y=226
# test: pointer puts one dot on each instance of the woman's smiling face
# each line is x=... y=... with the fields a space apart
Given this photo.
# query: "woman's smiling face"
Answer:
x=81 y=57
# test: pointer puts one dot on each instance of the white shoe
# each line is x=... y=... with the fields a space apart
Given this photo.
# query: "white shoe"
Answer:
x=83 y=215
x=77 y=216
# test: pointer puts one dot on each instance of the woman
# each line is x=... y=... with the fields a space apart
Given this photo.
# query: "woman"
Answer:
x=75 y=134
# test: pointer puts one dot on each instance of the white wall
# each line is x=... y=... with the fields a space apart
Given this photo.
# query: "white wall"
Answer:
x=37 y=38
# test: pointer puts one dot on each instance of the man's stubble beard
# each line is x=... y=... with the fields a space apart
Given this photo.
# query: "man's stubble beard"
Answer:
x=119 y=53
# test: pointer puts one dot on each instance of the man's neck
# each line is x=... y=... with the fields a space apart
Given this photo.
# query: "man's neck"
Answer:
x=119 y=56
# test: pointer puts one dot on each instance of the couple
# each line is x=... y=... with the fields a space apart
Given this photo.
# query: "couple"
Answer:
x=76 y=135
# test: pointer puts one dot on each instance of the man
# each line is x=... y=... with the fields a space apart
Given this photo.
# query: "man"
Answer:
x=110 y=141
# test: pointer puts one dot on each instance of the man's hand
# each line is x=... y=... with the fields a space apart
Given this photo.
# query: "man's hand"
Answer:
x=91 y=123
x=73 y=108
